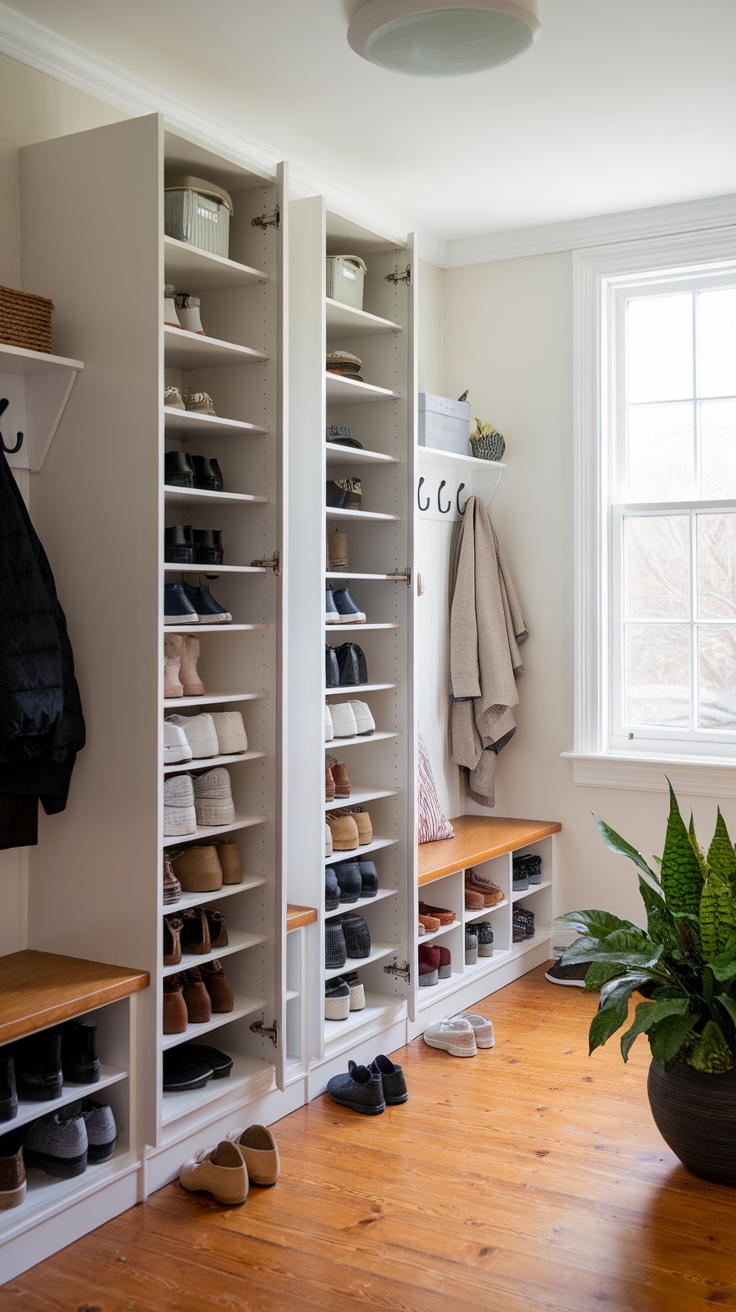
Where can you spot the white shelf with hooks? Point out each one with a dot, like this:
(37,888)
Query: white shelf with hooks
(36,387)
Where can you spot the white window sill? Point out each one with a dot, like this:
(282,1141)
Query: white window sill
(709,777)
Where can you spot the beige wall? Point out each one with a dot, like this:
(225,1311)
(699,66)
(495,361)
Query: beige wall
(508,338)
(33,107)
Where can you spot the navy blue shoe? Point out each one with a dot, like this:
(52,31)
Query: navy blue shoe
(178,609)
(332,614)
(205,606)
(368,878)
(348,612)
(347,874)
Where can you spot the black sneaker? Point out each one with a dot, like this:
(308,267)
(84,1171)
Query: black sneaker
(572,976)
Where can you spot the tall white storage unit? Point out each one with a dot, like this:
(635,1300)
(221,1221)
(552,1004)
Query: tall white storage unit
(93,237)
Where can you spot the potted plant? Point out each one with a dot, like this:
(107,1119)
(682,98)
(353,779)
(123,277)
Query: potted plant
(684,964)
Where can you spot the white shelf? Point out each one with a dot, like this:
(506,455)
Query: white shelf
(249,1075)
(333,512)
(377,953)
(194,270)
(353,690)
(201,899)
(47,1195)
(360,902)
(30,1111)
(357,628)
(374,846)
(185,350)
(211,571)
(378,1007)
(345,321)
(239,941)
(349,576)
(347,391)
(471,916)
(194,496)
(215,628)
(242,1006)
(378,736)
(518,894)
(214,831)
(353,455)
(212,698)
(438,933)
(208,762)
(188,423)
(359,797)
(37,387)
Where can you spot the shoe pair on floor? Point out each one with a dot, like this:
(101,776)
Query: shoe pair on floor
(185,604)
(196,737)
(61,1144)
(461,1035)
(340,607)
(369,1089)
(245,1157)
(192,800)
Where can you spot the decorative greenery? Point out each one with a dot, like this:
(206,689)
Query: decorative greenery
(685,961)
(482,430)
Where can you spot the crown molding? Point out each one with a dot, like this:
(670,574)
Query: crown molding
(28,42)
(577,234)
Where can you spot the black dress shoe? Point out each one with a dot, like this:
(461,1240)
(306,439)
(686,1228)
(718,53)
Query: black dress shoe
(79,1060)
(8,1094)
(182,1072)
(38,1066)
(208,546)
(207,474)
(220,1062)
(178,469)
(332,669)
(179,548)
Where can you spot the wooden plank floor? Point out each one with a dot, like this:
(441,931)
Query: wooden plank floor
(529,1177)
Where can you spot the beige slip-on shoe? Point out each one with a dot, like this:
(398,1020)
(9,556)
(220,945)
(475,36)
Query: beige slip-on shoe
(260,1154)
(219,1171)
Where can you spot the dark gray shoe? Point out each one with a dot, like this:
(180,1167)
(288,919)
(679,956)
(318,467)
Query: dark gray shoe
(361,1089)
(102,1132)
(392,1079)
(58,1144)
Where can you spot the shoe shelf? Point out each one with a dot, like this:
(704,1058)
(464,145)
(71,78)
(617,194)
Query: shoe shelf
(214,628)
(470,916)
(211,571)
(198,270)
(186,496)
(190,424)
(358,628)
(377,953)
(374,846)
(212,698)
(185,350)
(347,321)
(31,1111)
(251,1076)
(379,1007)
(199,899)
(242,1006)
(208,762)
(478,839)
(351,689)
(431,935)
(376,578)
(239,941)
(378,736)
(47,1195)
(528,892)
(38,989)
(359,796)
(347,391)
(213,831)
(365,515)
(360,902)
(339,455)
(37,385)
(296,918)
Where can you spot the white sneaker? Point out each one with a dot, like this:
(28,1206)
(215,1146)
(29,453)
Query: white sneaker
(363,719)
(187,309)
(200,733)
(329,729)
(343,720)
(230,730)
(180,817)
(176,747)
(213,797)
(454,1034)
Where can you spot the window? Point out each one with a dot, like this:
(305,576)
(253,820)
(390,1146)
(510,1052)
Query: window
(655,357)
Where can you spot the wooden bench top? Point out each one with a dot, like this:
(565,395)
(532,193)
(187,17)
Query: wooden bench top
(41,988)
(478,838)
(298,916)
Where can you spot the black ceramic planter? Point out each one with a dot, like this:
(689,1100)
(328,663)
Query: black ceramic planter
(695,1114)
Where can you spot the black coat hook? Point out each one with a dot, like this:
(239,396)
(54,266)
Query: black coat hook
(10,450)
(460,510)
(442,509)
(419,496)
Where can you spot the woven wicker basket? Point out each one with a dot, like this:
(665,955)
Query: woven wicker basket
(25,320)
(489,447)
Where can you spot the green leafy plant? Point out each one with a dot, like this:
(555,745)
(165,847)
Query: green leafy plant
(684,962)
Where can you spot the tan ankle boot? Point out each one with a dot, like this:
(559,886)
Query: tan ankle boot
(192,684)
(339,777)
(337,550)
(172,663)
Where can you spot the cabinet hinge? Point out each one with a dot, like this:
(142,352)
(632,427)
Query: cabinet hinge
(274,563)
(267,1031)
(397,277)
(395,969)
(264,221)
(401,576)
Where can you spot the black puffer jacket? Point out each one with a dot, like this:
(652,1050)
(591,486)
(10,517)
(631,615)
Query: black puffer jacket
(41,721)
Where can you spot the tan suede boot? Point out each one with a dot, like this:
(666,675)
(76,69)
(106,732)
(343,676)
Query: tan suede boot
(231,862)
(189,675)
(172,662)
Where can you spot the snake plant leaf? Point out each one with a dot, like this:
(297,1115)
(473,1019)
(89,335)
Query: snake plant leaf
(682,879)
(711,1053)
(667,1036)
(619,844)
(724,965)
(596,924)
(695,845)
(717,915)
(728,1005)
(650,1013)
(721,855)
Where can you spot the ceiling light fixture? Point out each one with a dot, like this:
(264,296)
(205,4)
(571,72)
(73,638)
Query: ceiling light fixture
(443,38)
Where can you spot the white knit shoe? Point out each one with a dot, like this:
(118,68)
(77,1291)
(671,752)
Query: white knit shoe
(230,730)
(200,733)
(329,729)
(176,747)
(364,722)
(213,797)
(454,1034)
(180,816)
(482,1027)
(344,724)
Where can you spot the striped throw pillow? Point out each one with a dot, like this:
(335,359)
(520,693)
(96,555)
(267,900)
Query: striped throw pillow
(433,823)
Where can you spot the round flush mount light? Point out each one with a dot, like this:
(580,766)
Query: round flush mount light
(443,38)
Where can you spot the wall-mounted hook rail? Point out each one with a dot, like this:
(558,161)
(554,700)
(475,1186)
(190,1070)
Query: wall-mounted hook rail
(10,450)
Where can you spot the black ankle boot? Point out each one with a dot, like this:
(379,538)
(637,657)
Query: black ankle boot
(79,1059)
(207,474)
(179,545)
(38,1066)
(178,469)
(208,546)
(8,1093)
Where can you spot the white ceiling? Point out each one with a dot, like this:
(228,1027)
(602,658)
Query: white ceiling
(620,104)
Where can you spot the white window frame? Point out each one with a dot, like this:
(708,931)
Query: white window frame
(595,763)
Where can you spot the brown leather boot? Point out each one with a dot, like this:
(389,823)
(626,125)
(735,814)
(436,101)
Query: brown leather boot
(218,986)
(175,1009)
(196,998)
(172,887)
(217,928)
(339,776)
(195,934)
(329,783)
(172,940)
